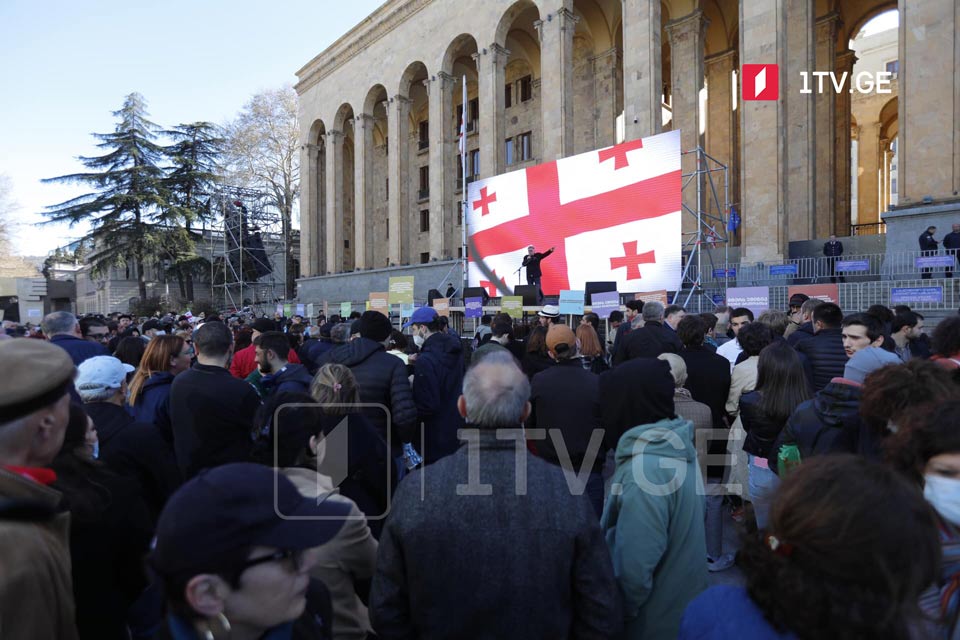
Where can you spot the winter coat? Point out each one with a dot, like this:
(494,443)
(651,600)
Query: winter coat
(649,341)
(36,586)
(497,563)
(312,352)
(293,378)
(78,348)
(803,332)
(566,401)
(136,450)
(702,418)
(761,431)
(826,355)
(708,380)
(833,248)
(726,612)
(437,384)
(382,379)
(594,364)
(153,403)
(657,541)
(827,423)
(534,363)
(927,242)
(245,361)
(743,380)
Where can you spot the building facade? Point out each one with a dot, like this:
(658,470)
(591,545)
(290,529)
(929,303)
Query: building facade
(380,110)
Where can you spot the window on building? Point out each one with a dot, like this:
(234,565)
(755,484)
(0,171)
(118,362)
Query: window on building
(424,257)
(386,189)
(424,137)
(424,183)
(388,230)
(509,150)
(346,244)
(526,88)
(893,67)
(474,112)
(459,212)
(508,96)
(460,252)
(424,221)
(475,162)
(525,145)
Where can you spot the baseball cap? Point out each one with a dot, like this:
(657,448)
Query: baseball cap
(866,361)
(44,373)
(100,373)
(213,519)
(549,311)
(560,339)
(797,299)
(423,315)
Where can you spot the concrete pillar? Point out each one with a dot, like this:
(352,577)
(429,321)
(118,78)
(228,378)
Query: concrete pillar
(800,193)
(362,210)
(605,97)
(334,240)
(825,105)
(884,174)
(868,184)
(310,210)
(398,173)
(929,82)
(721,125)
(442,158)
(761,123)
(556,72)
(642,73)
(491,63)
(686,37)
(843,62)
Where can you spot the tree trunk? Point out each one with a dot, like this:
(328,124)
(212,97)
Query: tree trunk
(141,280)
(181,283)
(189,281)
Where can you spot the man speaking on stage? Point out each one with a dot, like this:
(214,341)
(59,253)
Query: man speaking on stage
(532,262)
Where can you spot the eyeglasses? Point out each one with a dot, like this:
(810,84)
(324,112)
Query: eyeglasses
(99,337)
(294,555)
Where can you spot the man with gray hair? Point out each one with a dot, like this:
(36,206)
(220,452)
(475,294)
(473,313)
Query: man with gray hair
(479,513)
(650,340)
(63,329)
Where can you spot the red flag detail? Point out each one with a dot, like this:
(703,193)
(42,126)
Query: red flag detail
(485,201)
(491,287)
(632,260)
(619,153)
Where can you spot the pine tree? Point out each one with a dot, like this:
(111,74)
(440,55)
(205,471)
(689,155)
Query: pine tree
(128,193)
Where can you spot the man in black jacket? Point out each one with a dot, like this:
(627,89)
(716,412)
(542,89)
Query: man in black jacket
(833,249)
(532,262)
(951,242)
(211,411)
(928,247)
(632,316)
(279,376)
(708,374)
(825,349)
(650,340)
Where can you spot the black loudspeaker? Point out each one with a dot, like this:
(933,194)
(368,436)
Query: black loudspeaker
(529,293)
(476,292)
(432,295)
(597,287)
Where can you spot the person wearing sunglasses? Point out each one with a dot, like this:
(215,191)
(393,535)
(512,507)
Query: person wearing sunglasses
(234,550)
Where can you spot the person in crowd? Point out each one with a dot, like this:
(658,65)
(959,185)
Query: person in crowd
(441,545)
(63,329)
(446,328)
(825,350)
(484,331)
(710,331)
(501,338)
(651,339)
(235,547)
(672,315)
(723,332)
(832,251)
(633,319)
(591,353)
(451,290)
(397,345)
(277,374)
(795,306)
(345,564)
(951,243)
(565,404)
(859,331)
(437,381)
(165,358)
(549,314)
(653,518)
(95,330)
(536,358)
(805,328)
(946,343)
(152,328)
(836,562)
(614,320)
(905,329)
(688,408)
(382,379)
(739,318)
(211,411)
(127,446)
(314,349)
(592,319)
(110,532)
(245,361)
(928,247)
(130,351)
(830,421)
(781,387)
(124,321)
(777,320)
(243,338)
(35,583)
(339,334)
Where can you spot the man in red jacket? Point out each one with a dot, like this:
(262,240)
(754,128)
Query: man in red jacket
(245,360)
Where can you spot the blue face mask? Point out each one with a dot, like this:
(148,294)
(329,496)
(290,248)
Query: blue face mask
(96,449)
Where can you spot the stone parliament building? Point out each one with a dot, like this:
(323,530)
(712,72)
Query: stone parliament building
(380,111)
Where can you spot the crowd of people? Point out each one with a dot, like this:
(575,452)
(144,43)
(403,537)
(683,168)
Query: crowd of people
(249,477)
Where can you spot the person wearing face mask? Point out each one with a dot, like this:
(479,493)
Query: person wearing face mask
(437,381)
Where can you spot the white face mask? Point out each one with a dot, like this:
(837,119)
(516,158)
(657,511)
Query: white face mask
(418,340)
(944,494)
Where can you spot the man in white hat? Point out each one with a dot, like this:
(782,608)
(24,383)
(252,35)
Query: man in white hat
(550,314)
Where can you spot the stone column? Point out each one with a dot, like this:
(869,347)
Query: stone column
(843,62)
(605,97)
(929,82)
(799,129)
(642,72)
(334,244)
(686,37)
(762,155)
(825,105)
(310,211)
(868,201)
(721,124)
(398,173)
(884,175)
(442,157)
(491,63)
(362,148)
(556,71)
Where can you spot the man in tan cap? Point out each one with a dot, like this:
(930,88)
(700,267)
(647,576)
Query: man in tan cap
(36,592)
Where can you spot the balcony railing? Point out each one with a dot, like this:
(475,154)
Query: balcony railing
(869,229)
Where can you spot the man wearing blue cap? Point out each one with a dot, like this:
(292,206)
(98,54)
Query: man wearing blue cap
(437,382)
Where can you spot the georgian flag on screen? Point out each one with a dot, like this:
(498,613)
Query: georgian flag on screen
(612,214)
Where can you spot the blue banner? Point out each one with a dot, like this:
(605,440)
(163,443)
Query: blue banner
(571,301)
(905,295)
(718,273)
(474,308)
(851,265)
(784,269)
(933,262)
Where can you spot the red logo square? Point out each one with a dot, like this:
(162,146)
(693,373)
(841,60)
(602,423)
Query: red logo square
(760,82)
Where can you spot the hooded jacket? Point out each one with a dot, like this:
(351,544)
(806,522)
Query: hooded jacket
(437,383)
(654,527)
(827,423)
(293,378)
(382,379)
(153,403)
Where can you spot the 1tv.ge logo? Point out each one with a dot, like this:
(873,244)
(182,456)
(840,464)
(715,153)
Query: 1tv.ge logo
(762,82)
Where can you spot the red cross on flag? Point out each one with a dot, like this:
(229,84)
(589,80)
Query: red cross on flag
(612,214)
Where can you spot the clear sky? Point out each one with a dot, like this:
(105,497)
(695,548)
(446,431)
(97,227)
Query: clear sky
(66,65)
